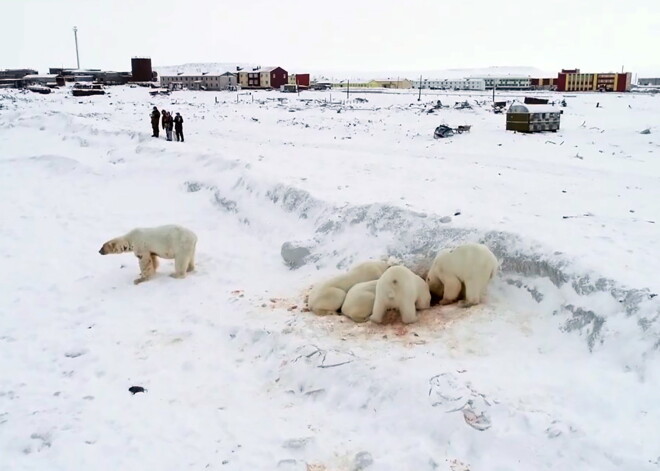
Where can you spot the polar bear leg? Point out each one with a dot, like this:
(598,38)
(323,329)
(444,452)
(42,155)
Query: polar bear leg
(181,263)
(408,313)
(452,289)
(423,300)
(378,311)
(146,268)
(475,288)
(154,261)
(191,263)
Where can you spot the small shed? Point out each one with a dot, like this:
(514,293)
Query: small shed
(532,118)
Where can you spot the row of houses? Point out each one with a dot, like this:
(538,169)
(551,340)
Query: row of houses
(141,71)
(568,80)
(471,83)
(256,78)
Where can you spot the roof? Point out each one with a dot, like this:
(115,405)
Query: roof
(530,108)
(43,76)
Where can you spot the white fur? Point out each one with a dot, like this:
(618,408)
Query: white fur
(328,297)
(399,288)
(359,302)
(473,265)
(149,243)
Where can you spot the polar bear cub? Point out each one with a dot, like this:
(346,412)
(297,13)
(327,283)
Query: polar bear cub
(359,302)
(149,243)
(399,288)
(328,297)
(472,265)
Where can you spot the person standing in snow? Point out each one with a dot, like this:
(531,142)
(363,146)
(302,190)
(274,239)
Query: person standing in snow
(162,121)
(155,118)
(178,127)
(169,125)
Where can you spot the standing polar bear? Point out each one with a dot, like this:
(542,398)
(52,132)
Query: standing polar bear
(328,297)
(472,265)
(149,243)
(399,288)
(359,302)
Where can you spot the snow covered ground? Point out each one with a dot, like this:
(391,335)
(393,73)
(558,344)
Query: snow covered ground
(558,370)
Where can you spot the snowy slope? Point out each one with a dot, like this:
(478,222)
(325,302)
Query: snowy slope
(558,370)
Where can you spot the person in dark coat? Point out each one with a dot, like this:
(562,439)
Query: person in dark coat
(168,124)
(155,118)
(178,127)
(163,114)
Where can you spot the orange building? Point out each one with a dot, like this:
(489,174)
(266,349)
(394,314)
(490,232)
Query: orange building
(575,81)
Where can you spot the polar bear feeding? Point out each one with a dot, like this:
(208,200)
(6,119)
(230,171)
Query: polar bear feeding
(359,302)
(399,288)
(149,243)
(327,297)
(472,265)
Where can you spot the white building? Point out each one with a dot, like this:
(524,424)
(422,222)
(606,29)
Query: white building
(451,84)
(226,81)
(507,82)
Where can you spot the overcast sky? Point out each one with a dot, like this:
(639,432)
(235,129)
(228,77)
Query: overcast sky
(594,35)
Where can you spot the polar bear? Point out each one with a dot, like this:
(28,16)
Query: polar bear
(149,243)
(327,297)
(399,288)
(472,265)
(359,302)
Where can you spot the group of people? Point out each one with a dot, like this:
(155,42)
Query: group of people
(168,122)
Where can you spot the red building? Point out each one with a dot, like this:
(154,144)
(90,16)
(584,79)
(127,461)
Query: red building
(302,80)
(263,77)
(574,81)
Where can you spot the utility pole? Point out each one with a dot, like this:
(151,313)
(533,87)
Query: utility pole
(75,35)
(419,97)
(348,88)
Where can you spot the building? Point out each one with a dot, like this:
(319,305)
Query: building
(225,81)
(263,77)
(532,118)
(48,80)
(273,77)
(301,80)
(16,73)
(544,83)
(12,83)
(141,70)
(654,82)
(507,83)
(355,84)
(572,80)
(113,78)
(390,83)
(451,84)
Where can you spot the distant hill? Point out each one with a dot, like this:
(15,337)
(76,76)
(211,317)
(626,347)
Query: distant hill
(336,75)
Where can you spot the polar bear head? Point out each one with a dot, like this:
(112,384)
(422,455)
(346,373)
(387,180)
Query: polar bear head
(118,245)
